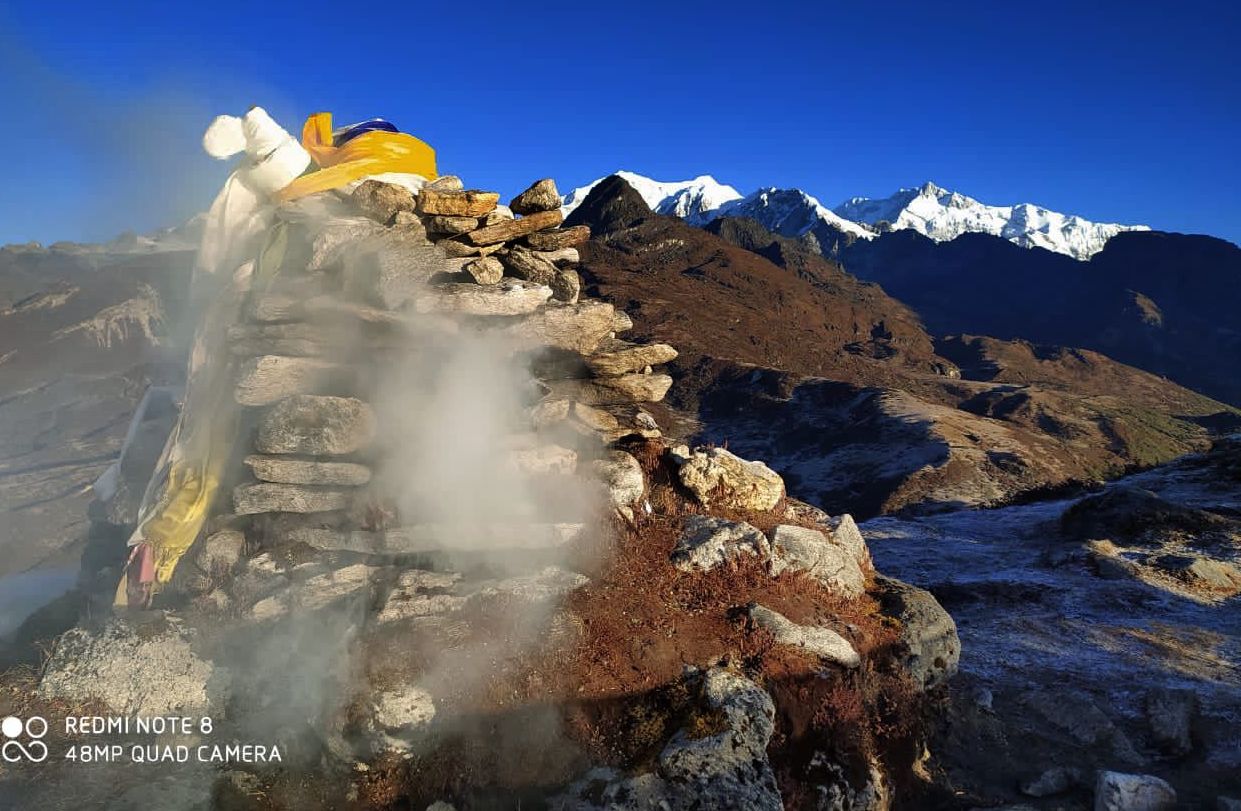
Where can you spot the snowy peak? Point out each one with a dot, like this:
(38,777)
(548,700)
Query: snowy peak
(692,200)
(790,212)
(929,209)
(943,215)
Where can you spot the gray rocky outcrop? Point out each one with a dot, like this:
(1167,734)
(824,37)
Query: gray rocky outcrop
(931,648)
(822,642)
(151,670)
(795,548)
(708,542)
(727,769)
(1116,791)
(717,477)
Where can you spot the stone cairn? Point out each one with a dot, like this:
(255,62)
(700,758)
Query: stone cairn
(391,266)
(347,287)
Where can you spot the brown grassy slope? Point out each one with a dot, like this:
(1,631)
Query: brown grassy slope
(743,299)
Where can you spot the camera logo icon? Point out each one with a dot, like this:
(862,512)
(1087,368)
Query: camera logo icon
(22,739)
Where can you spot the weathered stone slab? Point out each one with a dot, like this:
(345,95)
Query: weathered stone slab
(485,270)
(563,257)
(266,379)
(468,203)
(623,476)
(622,322)
(524,263)
(631,388)
(512,229)
(134,671)
(566,286)
(270,497)
(381,201)
(338,236)
(624,358)
(445,183)
(443,224)
(717,477)
(541,196)
(554,240)
(294,340)
(509,297)
(577,327)
(707,542)
(798,549)
(543,460)
(316,426)
(421,593)
(822,642)
(501,214)
(220,551)
(455,248)
(391,271)
(426,538)
(307,471)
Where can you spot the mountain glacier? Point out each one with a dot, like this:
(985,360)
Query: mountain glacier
(930,210)
(943,215)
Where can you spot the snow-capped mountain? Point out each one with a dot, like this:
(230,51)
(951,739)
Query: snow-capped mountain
(790,212)
(930,210)
(692,200)
(943,215)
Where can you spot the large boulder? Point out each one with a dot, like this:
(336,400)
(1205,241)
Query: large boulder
(149,670)
(930,646)
(728,769)
(400,717)
(541,196)
(718,478)
(625,481)
(799,549)
(1115,791)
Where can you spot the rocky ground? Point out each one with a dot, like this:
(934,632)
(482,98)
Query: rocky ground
(1098,634)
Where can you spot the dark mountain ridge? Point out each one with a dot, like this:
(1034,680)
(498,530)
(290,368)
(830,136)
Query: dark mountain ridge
(1159,301)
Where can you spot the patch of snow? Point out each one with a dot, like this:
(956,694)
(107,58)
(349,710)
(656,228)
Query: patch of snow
(943,215)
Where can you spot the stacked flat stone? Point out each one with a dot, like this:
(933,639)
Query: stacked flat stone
(383,263)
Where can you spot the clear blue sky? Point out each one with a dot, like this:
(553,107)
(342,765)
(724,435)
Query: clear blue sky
(1119,111)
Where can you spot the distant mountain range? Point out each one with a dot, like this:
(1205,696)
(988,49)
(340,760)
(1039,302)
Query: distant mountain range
(928,209)
(1162,302)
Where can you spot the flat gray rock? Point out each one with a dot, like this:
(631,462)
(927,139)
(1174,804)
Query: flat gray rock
(822,642)
(708,542)
(316,426)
